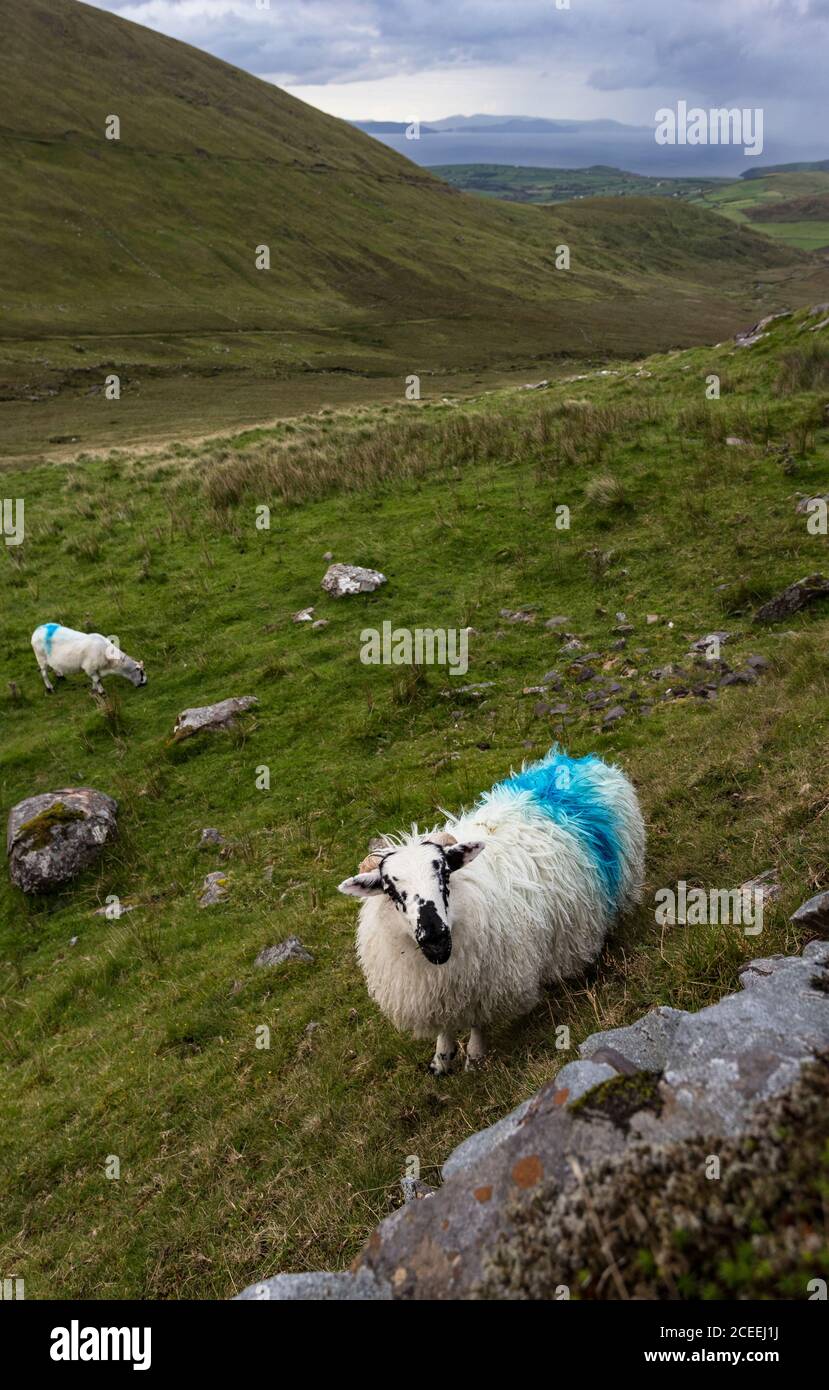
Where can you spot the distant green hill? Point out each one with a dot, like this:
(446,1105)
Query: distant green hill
(138,255)
(807,166)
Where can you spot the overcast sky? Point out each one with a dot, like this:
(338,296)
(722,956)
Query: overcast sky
(424,59)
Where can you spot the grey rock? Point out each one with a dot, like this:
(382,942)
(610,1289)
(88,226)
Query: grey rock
(519,615)
(214,889)
(646,1042)
(614,714)
(54,836)
(305,615)
(289,949)
(806,504)
(767,884)
(703,643)
(362,1287)
(341,580)
(577,1078)
(813,914)
(414,1190)
(210,837)
(557,621)
(219,716)
(792,599)
(477,1146)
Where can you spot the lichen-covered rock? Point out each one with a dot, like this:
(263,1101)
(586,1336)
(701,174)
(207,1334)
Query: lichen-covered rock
(718,1066)
(752,1226)
(340,580)
(54,836)
(670,1080)
(218,716)
(214,889)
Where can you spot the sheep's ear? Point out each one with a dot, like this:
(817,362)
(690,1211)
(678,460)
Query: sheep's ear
(458,855)
(362,885)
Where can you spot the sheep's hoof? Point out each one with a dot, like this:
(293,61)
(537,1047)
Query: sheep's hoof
(441,1063)
(474,1063)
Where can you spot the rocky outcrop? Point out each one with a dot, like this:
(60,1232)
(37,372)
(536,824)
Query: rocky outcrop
(53,837)
(667,1081)
(792,599)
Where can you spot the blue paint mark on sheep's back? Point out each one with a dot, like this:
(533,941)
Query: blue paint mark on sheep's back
(570,792)
(49,630)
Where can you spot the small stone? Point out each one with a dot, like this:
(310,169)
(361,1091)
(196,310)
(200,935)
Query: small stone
(556,621)
(305,615)
(341,580)
(519,615)
(289,949)
(612,715)
(214,889)
(209,838)
(319,625)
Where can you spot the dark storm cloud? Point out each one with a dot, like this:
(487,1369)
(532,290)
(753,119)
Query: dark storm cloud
(750,50)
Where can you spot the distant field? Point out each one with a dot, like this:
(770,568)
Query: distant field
(527,185)
(792,207)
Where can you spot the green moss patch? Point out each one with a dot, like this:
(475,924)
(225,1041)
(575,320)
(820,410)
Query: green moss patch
(37,832)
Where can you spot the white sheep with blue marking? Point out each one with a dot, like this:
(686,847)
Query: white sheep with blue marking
(465,925)
(68,652)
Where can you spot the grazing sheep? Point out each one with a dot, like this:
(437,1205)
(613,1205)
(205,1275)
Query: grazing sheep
(450,941)
(68,652)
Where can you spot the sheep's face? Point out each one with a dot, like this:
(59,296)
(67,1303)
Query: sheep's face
(134,671)
(416,880)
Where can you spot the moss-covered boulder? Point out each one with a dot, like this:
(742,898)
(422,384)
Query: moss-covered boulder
(53,837)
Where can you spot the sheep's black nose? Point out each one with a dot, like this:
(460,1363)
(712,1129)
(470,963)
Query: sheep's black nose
(433,936)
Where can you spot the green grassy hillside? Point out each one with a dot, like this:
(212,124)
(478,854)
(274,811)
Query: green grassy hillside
(137,255)
(790,207)
(138,1037)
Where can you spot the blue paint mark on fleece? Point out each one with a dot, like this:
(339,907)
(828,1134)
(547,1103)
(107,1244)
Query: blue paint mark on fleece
(566,790)
(49,630)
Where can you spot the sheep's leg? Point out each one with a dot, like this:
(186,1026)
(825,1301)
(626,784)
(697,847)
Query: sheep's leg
(43,665)
(97,688)
(475,1049)
(446,1049)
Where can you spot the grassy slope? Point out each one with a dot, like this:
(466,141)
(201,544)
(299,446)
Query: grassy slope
(137,256)
(140,1039)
